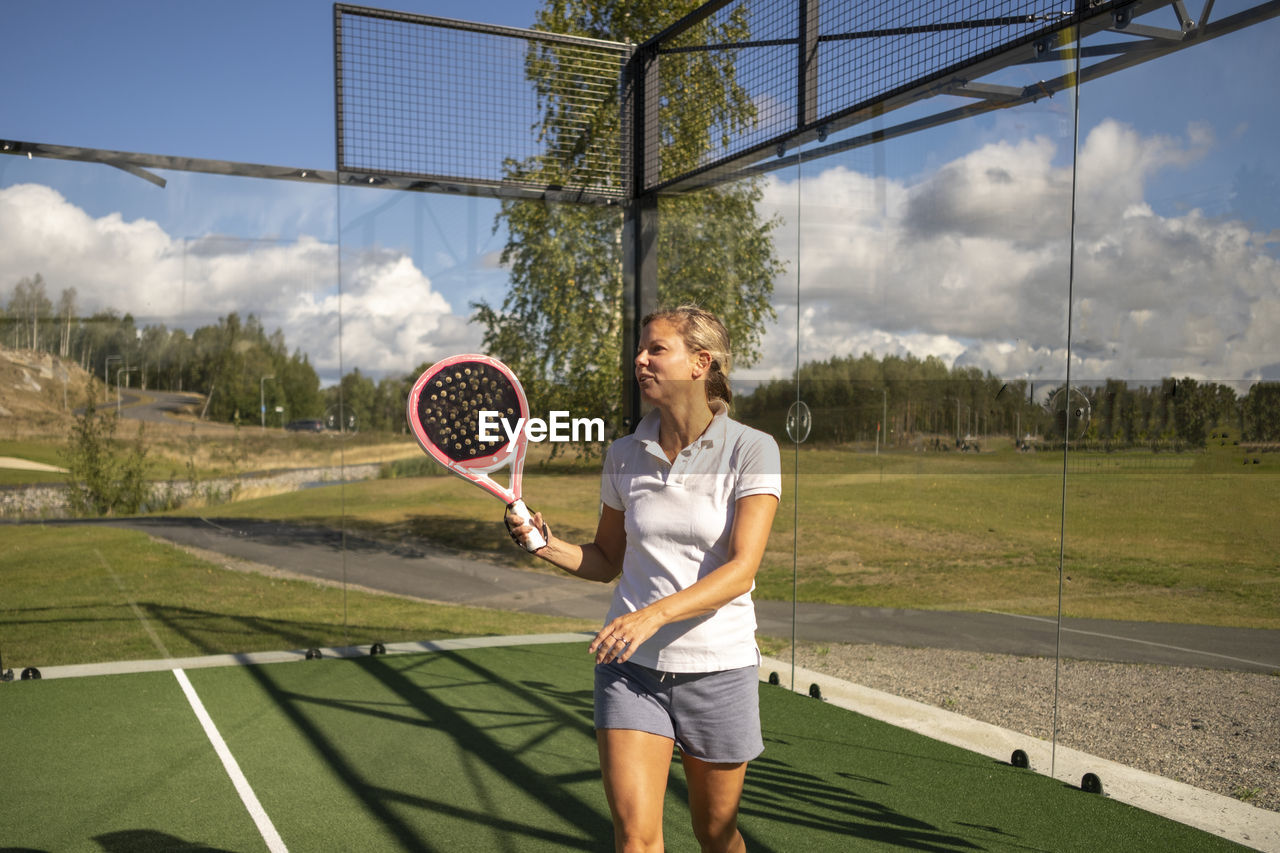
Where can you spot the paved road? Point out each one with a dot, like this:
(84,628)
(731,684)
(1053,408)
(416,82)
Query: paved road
(422,571)
(155,406)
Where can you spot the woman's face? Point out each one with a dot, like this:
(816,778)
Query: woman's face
(664,365)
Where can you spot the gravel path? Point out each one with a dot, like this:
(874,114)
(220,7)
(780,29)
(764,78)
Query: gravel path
(1214,729)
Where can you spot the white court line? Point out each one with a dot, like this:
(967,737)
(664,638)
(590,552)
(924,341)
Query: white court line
(137,611)
(1135,640)
(274,843)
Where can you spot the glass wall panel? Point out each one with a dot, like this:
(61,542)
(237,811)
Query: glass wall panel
(1169,641)
(730,249)
(430,276)
(167,341)
(931,283)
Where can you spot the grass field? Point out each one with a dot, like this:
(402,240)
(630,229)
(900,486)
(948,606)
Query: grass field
(986,533)
(1148,538)
(177,452)
(933,531)
(88,593)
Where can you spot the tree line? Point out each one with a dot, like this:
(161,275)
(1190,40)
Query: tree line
(234,362)
(909,400)
(896,400)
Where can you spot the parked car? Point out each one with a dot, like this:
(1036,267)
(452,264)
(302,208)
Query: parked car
(305,425)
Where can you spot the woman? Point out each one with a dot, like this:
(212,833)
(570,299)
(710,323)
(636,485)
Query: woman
(687,503)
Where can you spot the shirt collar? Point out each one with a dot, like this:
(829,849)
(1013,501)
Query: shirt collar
(647,429)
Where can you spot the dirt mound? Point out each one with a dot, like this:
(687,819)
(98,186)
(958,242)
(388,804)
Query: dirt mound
(39,392)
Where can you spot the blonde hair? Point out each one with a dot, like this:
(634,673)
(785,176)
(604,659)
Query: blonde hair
(702,330)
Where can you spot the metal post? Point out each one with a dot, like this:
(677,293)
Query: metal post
(640,225)
(120,370)
(262,400)
(884,421)
(807,64)
(105,381)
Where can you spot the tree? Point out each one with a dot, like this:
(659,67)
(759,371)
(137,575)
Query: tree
(358,395)
(29,305)
(66,310)
(560,324)
(102,479)
(299,386)
(1262,412)
(153,355)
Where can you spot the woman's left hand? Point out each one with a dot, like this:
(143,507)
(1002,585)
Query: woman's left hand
(621,637)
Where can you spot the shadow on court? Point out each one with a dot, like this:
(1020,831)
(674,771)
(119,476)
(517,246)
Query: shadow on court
(493,732)
(490,749)
(147,840)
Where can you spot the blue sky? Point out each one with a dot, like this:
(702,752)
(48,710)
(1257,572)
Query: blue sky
(1178,219)
(243,80)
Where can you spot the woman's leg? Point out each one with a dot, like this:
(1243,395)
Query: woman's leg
(714,793)
(635,766)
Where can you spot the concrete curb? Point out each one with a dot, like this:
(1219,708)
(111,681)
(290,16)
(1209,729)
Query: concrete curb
(1214,813)
(253,658)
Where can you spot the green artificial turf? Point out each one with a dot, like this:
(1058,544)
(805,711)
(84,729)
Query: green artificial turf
(492,749)
(113,764)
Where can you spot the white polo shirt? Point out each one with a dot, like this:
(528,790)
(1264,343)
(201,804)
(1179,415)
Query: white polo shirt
(678,519)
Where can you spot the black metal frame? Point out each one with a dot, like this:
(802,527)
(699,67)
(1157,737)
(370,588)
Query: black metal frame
(1087,18)
(1144,44)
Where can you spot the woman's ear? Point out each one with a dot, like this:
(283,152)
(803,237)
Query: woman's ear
(701,364)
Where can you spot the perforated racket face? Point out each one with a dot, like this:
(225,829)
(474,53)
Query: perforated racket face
(444,411)
(450,404)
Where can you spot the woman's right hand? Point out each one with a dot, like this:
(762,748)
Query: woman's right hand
(521,528)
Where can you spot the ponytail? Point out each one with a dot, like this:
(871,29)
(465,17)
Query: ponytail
(718,384)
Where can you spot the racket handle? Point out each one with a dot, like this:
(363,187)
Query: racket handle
(534,539)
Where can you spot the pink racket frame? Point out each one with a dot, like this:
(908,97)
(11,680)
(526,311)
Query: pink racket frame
(476,470)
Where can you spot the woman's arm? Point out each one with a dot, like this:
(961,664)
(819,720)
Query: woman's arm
(753,517)
(599,560)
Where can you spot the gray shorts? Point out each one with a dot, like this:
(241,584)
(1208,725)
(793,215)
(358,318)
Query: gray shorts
(711,716)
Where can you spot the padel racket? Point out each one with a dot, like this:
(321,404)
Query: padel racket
(444,411)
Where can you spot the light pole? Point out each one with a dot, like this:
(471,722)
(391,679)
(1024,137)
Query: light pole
(883,418)
(105,381)
(262,400)
(120,370)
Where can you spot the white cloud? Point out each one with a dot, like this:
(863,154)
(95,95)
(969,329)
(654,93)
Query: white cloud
(971,263)
(392,318)
(968,262)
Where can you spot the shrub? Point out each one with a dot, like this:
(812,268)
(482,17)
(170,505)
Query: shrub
(104,479)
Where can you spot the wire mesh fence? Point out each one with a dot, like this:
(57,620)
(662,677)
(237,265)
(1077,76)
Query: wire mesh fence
(752,74)
(530,113)
(480,106)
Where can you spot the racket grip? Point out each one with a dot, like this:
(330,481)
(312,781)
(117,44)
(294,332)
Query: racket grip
(534,539)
